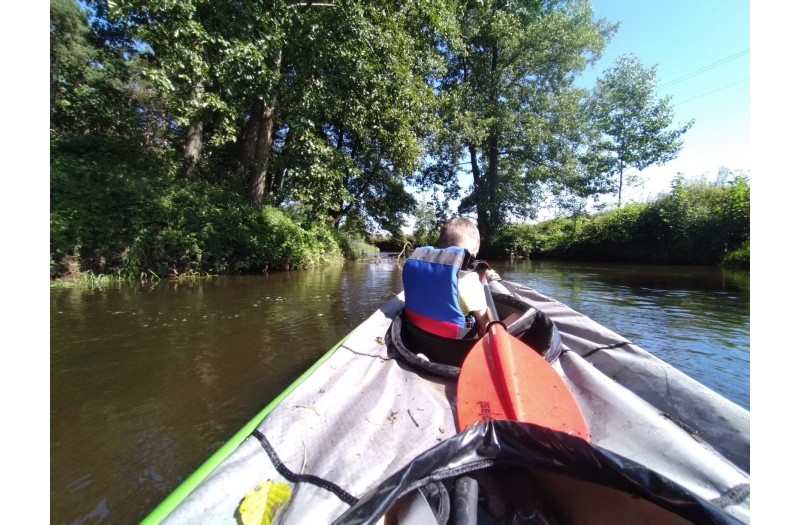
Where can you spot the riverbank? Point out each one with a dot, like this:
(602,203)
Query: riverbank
(129,219)
(695,223)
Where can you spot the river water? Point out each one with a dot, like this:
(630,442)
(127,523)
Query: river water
(146,382)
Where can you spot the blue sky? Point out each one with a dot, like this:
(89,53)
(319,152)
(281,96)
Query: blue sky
(702,51)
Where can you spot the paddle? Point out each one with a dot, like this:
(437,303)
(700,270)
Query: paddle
(503,378)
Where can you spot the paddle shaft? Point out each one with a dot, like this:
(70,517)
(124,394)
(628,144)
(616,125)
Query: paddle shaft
(490,302)
(503,358)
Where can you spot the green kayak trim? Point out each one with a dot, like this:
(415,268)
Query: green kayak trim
(192,482)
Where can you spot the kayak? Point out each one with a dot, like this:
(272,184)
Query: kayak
(369,434)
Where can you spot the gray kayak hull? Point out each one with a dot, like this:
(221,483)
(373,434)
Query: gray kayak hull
(362,415)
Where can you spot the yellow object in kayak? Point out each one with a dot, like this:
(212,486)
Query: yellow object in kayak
(261,505)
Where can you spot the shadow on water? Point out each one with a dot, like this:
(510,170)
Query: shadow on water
(147,382)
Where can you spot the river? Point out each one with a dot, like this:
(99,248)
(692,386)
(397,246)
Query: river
(148,381)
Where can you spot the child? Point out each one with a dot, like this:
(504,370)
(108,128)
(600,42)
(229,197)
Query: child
(445,302)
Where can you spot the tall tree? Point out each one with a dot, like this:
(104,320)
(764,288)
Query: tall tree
(631,124)
(327,103)
(355,109)
(427,224)
(511,111)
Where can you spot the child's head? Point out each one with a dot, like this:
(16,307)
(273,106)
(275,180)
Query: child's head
(462,233)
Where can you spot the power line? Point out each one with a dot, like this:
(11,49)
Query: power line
(704,69)
(710,92)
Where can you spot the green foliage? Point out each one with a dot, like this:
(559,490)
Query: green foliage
(289,245)
(323,106)
(92,77)
(115,213)
(508,103)
(427,226)
(355,247)
(512,241)
(352,135)
(206,229)
(332,110)
(91,281)
(697,223)
(101,190)
(430,238)
(738,258)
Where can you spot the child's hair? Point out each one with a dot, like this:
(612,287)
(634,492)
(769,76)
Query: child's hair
(460,232)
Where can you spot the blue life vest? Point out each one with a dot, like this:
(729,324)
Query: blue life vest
(430,280)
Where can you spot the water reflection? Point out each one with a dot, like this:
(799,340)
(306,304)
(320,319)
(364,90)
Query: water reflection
(147,382)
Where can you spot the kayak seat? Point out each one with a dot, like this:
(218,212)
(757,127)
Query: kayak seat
(438,349)
(443,356)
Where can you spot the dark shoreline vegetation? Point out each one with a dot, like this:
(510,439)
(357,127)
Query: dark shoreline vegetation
(198,139)
(115,214)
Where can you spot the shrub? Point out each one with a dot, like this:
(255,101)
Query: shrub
(355,247)
(739,258)
(515,240)
(693,224)
(288,245)
(133,216)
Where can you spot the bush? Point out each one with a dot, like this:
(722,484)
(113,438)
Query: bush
(425,238)
(216,232)
(515,240)
(694,224)
(288,245)
(132,216)
(355,247)
(739,258)
(100,194)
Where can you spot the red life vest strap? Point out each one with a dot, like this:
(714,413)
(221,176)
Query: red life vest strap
(440,328)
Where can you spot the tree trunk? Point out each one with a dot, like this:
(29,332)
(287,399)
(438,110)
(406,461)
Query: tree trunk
(53,87)
(248,150)
(491,180)
(259,162)
(191,149)
(480,192)
(257,146)
(194,138)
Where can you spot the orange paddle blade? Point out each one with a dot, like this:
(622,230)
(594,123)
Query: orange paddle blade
(503,378)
